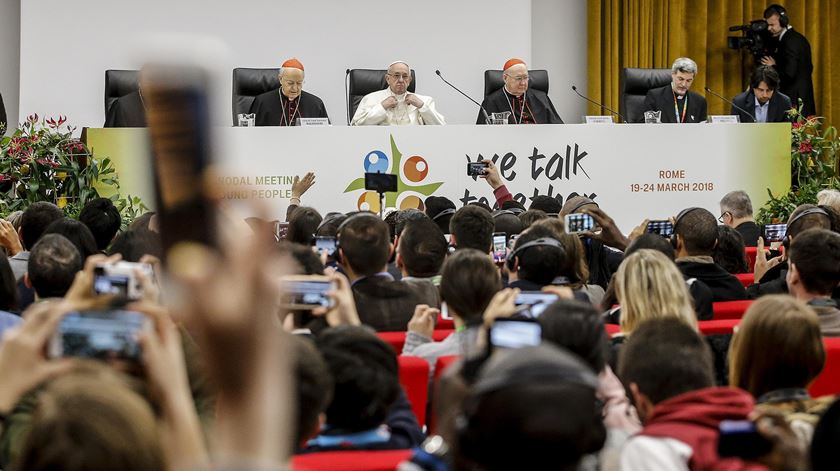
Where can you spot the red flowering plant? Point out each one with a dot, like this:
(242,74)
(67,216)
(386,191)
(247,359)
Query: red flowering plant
(42,161)
(814,155)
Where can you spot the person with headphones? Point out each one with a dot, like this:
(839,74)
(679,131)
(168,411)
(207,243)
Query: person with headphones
(792,59)
(814,276)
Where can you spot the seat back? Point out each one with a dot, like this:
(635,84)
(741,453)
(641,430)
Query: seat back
(634,85)
(746,279)
(119,83)
(751,253)
(444,323)
(364,81)
(442,364)
(717,327)
(248,84)
(414,378)
(397,339)
(730,309)
(537,80)
(828,382)
(384,460)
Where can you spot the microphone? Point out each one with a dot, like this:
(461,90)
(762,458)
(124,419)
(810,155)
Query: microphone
(347,95)
(483,111)
(603,106)
(709,90)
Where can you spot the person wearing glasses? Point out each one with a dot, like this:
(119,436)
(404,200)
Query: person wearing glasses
(523,105)
(283,107)
(395,106)
(675,102)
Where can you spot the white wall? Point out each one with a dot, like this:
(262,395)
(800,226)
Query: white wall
(62,71)
(10,56)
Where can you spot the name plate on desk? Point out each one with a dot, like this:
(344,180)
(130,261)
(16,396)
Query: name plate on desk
(313,121)
(726,118)
(598,120)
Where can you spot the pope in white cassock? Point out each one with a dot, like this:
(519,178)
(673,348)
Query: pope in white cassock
(394,105)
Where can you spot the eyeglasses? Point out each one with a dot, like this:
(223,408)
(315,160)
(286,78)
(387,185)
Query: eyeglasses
(399,77)
(723,216)
(521,78)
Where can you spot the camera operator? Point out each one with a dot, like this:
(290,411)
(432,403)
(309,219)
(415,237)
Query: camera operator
(791,59)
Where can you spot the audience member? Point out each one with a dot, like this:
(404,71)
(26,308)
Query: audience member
(830,198)
(314,389)
(531,216)
(514,206)
(75,232)
(603,248)
(736,211)
(33,223)
(8,287)
(814,273)
(103,219)
(441,210)
(547,204)
(421,250)
(729,252)
(775,355)
(695,238)
(506,221)
(471,227)
(303,222)
(536,260)
(52,267)
(134,244)
(576,271)
(147,221)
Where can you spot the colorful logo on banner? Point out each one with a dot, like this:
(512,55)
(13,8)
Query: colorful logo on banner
(410,173)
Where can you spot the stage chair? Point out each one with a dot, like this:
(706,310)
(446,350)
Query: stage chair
(828,382)
(250,83)
(364,81)
(634,85)
(537,80)
(384,460)
(730,309)
(119,83)
(414,378)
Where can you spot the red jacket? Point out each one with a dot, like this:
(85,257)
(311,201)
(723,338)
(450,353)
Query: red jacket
(694,417)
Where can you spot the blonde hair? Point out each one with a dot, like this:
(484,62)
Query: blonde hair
(778,345)
(649,286)
(829,198)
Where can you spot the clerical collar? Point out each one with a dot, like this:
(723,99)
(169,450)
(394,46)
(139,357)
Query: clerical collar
(507,92)
(285,98)
(398,97)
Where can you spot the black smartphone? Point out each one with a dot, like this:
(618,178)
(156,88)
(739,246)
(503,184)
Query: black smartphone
(774,232)
(178,116)
(104,335)
(477,169)
(380,182)
(515,333)
(325,244)
(499,246)
(740,439)
(662,227)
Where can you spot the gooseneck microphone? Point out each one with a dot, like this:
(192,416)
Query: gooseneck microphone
(709,90)
(347,95)
(483,111)
(603,106)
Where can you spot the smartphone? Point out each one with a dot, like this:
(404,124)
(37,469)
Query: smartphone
(477,169)
(579,222)
(774,232)
(306,292)
(178,116)
(532,303)
(739,438)
(444,312)
(515,333)
(380,182)
(448,238)
(325,244)
(499,246)
(104,335)
(662,227)
(281,230)
(120,279)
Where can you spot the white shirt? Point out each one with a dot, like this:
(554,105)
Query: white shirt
(371,112)
(643,453)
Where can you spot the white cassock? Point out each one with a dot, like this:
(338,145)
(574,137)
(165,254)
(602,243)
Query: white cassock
(371,112)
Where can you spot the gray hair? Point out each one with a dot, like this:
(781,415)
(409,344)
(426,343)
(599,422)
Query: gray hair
(738,203)
(283,71)
(829,198)
(399,62)
(684,65)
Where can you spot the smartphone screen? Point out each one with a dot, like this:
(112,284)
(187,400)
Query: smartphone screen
(509,333)
(306,292)
(281,229)
(476,169)
(499,246)
(325,244)
(533,303)
(99,334)
(579,222)
(775,232)
(661,227)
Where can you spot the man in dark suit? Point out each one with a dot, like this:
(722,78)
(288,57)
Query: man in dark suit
(675,102)
(736,211)
(525,106)
(364,247)
(283,107)
(762,103)
(791,59)
(128,111)
(4,125)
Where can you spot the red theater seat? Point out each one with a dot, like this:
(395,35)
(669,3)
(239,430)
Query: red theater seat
(612,329)
(746,279)
(828,382)
(397,339)
(440,367)
(414,378)
(750,253)
(443,324)
(730,309)
(717,327)
(386,460)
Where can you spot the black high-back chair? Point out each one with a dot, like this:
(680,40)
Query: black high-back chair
(250,83)
(634,85)
(119,83)
(364,81)
(537,80)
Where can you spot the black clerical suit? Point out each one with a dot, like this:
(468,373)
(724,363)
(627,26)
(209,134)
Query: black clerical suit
(3,123)
(127,112)
(750,232)
(538,105)
(662,99)
(793,63)
(269,107)
(779,104)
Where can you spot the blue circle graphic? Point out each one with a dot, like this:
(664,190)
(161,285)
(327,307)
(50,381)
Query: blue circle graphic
(377,161)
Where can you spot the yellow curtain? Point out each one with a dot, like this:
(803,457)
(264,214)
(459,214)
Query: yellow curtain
(652,33)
